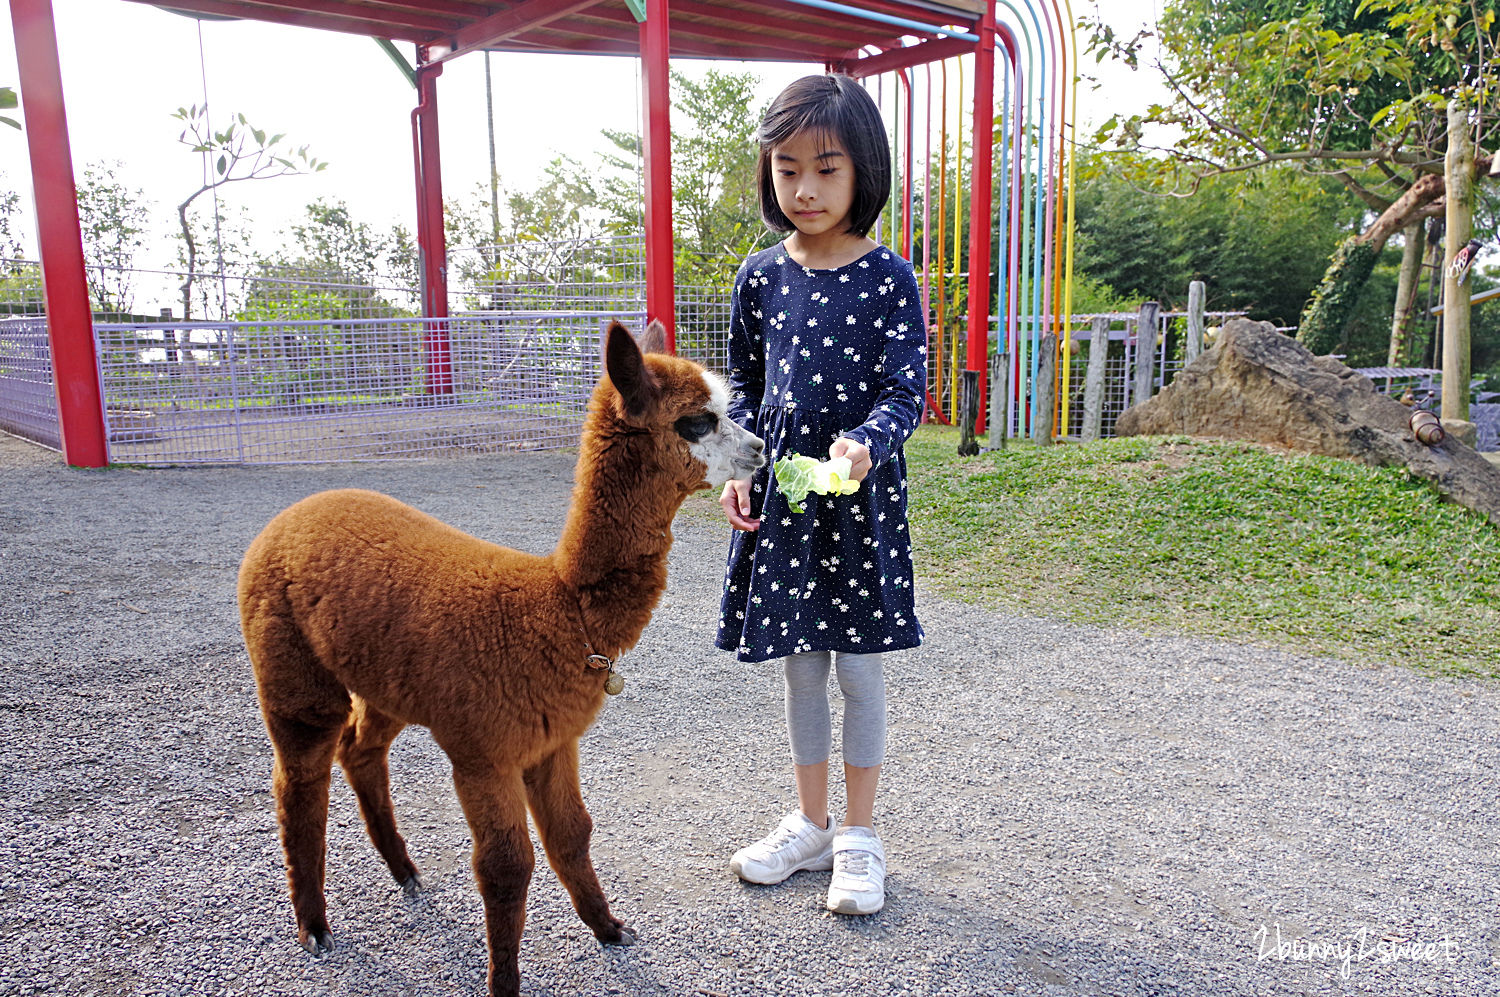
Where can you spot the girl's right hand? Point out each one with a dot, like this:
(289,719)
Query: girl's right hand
(736,503)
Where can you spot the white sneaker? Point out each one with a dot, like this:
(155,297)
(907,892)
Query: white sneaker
(796,844)
(858,885)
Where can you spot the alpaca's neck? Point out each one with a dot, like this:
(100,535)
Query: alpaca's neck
(613,549)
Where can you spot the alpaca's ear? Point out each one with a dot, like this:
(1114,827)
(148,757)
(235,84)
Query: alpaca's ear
(627,371)
(655,339)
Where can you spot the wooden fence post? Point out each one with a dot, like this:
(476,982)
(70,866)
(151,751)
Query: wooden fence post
(1093,384)
(1194,320)
(1145,350)
(1458,168)
(999,408)
(968,414)
(1045,391)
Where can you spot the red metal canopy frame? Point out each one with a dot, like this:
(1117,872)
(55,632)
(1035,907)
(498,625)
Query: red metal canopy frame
(858,37)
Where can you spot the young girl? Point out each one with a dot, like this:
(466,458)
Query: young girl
(828,355)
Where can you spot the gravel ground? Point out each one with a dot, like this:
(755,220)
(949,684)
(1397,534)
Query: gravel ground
(1068,810)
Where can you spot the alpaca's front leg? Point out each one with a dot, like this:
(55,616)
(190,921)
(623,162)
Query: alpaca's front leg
(494,802)
(564,826)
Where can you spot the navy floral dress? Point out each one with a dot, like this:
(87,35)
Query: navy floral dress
(815,355)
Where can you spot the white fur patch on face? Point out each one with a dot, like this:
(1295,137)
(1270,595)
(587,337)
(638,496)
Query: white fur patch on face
(729,452)
(718,392)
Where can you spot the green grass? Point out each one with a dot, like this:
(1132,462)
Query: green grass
(1172,535)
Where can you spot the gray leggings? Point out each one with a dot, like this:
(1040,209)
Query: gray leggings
(809,725)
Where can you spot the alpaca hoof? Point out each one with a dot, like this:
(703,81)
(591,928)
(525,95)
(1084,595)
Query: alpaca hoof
(412,885)
(319,943)
(623,936)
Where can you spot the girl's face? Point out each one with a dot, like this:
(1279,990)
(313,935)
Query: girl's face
(813,177)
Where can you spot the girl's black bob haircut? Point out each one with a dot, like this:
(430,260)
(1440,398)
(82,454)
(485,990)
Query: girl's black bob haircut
(830,105)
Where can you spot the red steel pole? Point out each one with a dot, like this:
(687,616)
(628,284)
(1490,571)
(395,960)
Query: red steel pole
(70,323)
(979,204)
(655,53)
(431,238)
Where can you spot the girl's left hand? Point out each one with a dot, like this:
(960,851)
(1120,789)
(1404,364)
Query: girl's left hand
(858,454)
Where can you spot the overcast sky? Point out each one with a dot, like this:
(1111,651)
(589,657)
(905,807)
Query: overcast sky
(127,66)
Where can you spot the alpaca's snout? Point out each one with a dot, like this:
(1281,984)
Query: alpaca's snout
(730,453)
(751,456)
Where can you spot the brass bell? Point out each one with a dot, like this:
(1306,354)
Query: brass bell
(615,684)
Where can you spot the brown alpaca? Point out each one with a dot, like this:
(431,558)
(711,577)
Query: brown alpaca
(363,615)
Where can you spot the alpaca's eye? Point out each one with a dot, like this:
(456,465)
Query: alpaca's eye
(694,427)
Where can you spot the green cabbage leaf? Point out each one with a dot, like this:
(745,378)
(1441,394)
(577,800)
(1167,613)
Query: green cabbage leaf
(796,476)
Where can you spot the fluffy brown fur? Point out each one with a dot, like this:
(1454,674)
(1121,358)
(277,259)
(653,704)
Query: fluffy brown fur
(363,615)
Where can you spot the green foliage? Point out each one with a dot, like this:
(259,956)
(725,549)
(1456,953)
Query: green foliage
(1322,327)
(9,102)
(241,151)
(716,213)
(1225,539)
(10,223)
(113,220)
(1326,83)
(230,231)
(1094,297)
(1259,241)
(716,219)
(237,153)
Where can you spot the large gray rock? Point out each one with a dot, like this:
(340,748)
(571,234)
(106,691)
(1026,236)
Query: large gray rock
(1257,384)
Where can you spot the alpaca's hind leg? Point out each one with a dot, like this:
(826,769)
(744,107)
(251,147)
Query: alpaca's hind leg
(364,755)
(299,780)
(565,826)
(494,803)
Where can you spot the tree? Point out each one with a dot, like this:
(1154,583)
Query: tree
(715,213)
(1351,90)
(10,216)
(240,152)
(716,208)
(230,229)
(1260,241)
(555,232)
(20,280)
(113,220)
